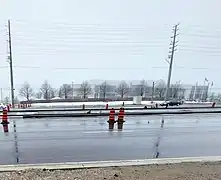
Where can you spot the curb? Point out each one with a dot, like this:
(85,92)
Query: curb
(116,108)
(102,164)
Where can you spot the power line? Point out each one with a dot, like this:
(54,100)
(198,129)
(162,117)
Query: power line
(106,27)
(200,47)
(91,38)
(200,50)
(114,28)
(84,30)
(67,23)
(110,31)
(200,35)
(112,68)
(81,43)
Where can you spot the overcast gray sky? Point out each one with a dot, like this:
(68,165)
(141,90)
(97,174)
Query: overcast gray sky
(131,35)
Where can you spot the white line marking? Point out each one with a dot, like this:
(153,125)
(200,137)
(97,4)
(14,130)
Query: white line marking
(114,131)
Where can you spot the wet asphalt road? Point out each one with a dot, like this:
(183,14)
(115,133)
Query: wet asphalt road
(88,139)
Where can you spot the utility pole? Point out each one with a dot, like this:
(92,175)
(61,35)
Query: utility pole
(174,44)
(72,86)
(194,92)
(153,89)
(204,92)
(10,63)
(1,95)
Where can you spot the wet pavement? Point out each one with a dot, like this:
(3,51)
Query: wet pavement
(87,139)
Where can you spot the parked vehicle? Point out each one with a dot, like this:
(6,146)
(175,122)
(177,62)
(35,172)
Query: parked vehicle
(171,103)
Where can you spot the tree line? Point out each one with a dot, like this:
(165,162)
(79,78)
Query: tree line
(66,91)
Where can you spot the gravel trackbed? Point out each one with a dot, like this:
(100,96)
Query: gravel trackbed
(183,171)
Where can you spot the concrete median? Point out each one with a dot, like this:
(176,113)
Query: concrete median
(127,113)
(116,108)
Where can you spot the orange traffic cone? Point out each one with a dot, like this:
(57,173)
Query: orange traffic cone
(111,120)
(120,120)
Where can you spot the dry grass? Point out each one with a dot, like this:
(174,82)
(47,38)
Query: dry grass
(184,171)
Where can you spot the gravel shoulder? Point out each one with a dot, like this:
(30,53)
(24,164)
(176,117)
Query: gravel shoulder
(183,171)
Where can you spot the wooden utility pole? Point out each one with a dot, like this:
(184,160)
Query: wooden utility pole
(10,64)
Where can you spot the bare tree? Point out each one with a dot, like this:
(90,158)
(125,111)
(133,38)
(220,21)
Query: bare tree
(176,90)
(161,88)
(60,93)
(85,89)
(143,87)
(212,97)
(38,95)
(6,100)
(103,89)
(46,90)
(26,91)
(66,90)
(218,97)
(122,89)
(16,100)
(53,93)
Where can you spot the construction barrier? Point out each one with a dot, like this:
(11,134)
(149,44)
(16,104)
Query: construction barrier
(111,120)
(120,120)
(5,117)
(22,106)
